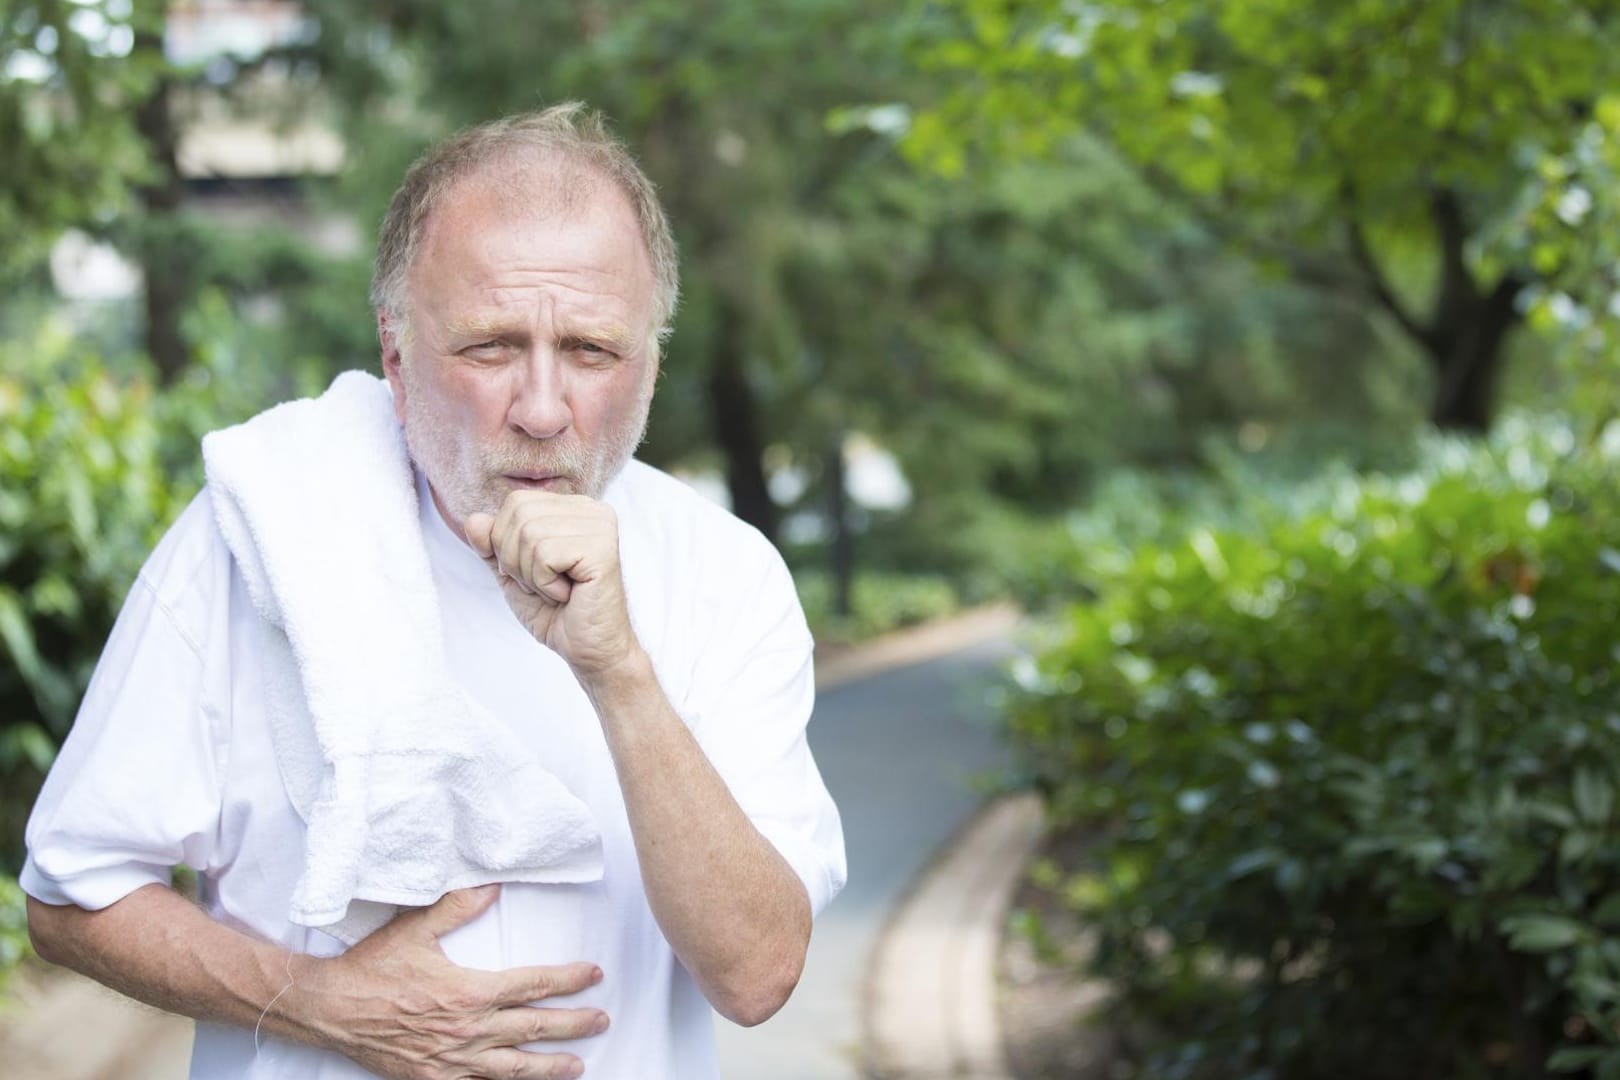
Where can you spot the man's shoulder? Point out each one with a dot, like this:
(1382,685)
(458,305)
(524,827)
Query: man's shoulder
(694,546)
(650,500)
(711,566)
(190,558)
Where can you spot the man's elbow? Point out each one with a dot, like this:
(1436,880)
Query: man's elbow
(45,929)
(757,999)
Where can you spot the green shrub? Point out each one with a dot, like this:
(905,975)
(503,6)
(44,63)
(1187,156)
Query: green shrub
(1352,754)
(879,602)
(94,464)
(83,495)
(14,943)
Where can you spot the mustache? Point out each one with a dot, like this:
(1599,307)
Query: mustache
(562,459)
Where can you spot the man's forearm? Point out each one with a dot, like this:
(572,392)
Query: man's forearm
(393,1004)
(732,908)
(157,947)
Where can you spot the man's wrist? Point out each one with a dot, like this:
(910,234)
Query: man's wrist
(623,683)
(301,1010)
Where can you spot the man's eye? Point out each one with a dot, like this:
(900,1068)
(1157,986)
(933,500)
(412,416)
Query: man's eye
(595,351)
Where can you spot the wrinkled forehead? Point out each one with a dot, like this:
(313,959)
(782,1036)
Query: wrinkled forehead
(515,213)
(532,182)
(528,183)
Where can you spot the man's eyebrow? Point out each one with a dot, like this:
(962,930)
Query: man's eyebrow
(614,334)
(471,326)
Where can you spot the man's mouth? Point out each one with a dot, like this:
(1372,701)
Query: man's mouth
(536,481)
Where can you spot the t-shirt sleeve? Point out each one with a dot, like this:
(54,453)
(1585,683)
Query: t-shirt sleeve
(136,788)
(752,698)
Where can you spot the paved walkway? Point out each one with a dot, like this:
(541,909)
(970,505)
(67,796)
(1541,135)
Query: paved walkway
(903,738)
(905,753)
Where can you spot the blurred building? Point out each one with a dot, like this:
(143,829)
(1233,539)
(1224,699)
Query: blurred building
(257,132)
(250,135)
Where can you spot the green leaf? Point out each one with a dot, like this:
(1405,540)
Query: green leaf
(1541,932)
(1576,845)
(1425,851)
(17,635)
(1608,912)
(1550,812)
(1596,990)
(1594,796)
(26,742)
(1568,1059)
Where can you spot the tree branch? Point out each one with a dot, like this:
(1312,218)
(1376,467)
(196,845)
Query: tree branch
(1458,291)
(1307,267)
(1373,279)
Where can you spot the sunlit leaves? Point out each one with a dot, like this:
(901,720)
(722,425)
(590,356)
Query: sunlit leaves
(1366,753)
(1320,133)
(70,82)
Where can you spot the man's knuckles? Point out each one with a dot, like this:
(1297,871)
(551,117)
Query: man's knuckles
(558,980)
(452,1035)
(551,1025)
(576,514)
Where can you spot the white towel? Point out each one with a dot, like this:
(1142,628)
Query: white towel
(408,787)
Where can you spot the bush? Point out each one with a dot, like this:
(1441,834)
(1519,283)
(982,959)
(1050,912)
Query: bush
(95,462)
(14,944)
(1352,754)
(880,603)
(83,495)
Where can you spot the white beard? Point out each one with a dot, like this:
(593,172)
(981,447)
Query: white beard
(469,477)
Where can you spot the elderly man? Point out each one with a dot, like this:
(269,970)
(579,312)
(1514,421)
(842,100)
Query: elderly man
(637,650)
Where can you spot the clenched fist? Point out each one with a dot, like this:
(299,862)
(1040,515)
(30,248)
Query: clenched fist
(557,558)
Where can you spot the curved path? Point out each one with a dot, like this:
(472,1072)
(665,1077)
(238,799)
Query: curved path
(907,754)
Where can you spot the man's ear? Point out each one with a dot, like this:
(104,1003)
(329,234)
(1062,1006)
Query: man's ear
(389,331)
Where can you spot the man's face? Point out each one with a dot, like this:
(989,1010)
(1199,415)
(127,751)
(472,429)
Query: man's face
(529,359)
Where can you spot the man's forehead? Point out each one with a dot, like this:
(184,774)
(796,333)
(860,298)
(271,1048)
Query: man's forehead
(476,219)
(530,185)
(494,203)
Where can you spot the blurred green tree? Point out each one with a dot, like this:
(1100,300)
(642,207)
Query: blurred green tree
(70,84)
(1003,336)
(86,112)
(1006,335)
(93,111)
(727,111)
(1382,148)
(1050,321)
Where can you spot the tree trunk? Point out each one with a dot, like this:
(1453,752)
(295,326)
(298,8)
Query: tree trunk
(1467,355)
(842,551)
(167,285)
(1469,327)
(1465,335)
(733,413)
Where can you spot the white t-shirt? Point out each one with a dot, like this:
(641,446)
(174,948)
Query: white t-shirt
(170,761)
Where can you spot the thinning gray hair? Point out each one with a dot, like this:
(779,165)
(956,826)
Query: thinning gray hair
(569,135)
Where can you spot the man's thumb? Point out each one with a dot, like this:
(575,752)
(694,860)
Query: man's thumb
(479,528)
(458,908)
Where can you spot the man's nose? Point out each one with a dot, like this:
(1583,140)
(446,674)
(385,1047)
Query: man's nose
(540,406)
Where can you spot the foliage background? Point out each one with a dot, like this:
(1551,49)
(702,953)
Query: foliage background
(1349,748)
(1117,285)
